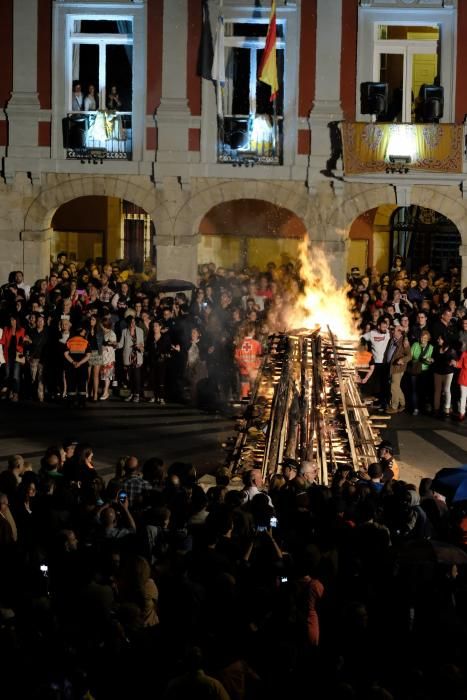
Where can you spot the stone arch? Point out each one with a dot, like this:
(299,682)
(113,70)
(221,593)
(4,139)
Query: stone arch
(190,215)
(61,189)
(343,214)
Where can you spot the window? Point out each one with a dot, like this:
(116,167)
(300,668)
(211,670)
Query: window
(252,126)
(409,45)
(138,236)
(406,58)
(100,98)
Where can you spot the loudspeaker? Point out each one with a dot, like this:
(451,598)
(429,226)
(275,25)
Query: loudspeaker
(373,98)
(433,102)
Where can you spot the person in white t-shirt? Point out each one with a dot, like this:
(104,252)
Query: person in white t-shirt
(379,339)
(19,279)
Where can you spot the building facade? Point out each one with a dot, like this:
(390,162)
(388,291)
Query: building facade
(156,134)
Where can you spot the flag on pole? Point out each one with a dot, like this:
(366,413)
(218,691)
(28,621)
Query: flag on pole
(218,64)
(206,53)
(268,67)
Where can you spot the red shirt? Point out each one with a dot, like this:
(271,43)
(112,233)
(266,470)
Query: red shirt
(5,340)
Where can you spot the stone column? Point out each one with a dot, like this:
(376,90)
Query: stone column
(177,257)
(463,254)
(326,105)
(36,254)
(173,115)
(23,107)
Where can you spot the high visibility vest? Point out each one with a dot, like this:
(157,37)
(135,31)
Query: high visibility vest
(248,355)
(362,358)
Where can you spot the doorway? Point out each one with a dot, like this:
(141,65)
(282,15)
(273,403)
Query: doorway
(249,233)
(104,229)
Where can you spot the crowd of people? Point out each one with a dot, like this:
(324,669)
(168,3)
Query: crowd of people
(88,332)
(414,340)
(151,585)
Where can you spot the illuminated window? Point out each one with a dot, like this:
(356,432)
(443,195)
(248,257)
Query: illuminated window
(252,126)
(406,58)
(100,88)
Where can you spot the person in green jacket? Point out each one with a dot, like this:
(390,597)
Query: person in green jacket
(419,370)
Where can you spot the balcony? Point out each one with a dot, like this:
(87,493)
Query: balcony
(98,136)
(406,149)
(244,140)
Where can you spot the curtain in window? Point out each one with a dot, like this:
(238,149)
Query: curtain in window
(228,92)
(125,28)
(76,48)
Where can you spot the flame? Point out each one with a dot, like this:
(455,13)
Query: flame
(323,302)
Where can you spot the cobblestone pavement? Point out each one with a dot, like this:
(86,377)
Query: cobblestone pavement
(422,444)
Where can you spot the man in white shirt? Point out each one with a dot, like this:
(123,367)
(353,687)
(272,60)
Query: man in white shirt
(379,339)
(253,481)
(19,279)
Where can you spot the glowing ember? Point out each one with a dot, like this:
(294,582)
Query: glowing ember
(323,303)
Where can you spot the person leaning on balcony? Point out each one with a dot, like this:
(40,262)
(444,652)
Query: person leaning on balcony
(91,101)
(77,97)
(113,99)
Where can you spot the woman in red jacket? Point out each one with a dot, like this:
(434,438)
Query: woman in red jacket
(461,364)
(13,350)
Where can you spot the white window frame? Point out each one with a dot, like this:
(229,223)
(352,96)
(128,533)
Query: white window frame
(407,48)
(288,15)
(250,42)
(368,21)
(102,41)
(62,65)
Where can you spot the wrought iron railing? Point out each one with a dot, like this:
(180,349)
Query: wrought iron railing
(250,140)
(98,136)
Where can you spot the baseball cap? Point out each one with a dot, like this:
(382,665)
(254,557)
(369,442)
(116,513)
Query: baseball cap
(386,445)
(290,463)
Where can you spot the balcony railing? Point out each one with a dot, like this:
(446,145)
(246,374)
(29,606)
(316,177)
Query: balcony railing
(250,140)
(100,135)
(388,147)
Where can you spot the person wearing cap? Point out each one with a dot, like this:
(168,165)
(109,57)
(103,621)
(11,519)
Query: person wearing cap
(388,463)
(290,468)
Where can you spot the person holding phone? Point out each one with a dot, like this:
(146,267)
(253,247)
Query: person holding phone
(116,520)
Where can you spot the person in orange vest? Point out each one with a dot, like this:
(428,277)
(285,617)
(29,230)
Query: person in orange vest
(364,367)
(77,354)
(248,358)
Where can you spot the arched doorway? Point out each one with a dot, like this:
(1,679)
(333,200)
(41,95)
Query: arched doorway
(106,228)
(249,233)
(419,234)
(424,235)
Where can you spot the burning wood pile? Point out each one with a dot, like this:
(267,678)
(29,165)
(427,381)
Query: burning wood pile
(306,406)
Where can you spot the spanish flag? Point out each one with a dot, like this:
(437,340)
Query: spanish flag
(268,66)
